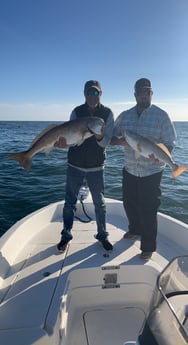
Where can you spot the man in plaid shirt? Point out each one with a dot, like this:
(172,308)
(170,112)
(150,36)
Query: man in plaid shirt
(142,176)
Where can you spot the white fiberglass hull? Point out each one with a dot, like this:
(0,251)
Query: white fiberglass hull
(84,296)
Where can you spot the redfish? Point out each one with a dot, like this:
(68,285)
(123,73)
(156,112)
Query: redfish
(74,132)
(148,149)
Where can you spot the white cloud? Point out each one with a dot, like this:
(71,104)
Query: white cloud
(176,108)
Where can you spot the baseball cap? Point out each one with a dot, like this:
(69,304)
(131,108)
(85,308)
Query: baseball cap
(142,83)
(92,84)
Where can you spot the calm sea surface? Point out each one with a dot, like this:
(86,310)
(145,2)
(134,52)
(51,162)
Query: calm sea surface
(22,192)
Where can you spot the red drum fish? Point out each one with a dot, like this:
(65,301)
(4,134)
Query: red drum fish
(148,149)
(74,132)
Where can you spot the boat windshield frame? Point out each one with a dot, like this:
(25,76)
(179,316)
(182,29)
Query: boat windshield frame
(173,281)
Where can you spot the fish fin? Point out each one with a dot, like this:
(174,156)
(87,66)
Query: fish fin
(178,171)
(164,148)
(48,149)
(23,159)
(44,131)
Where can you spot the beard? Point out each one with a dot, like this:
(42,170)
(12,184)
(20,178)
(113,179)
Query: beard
(144,103)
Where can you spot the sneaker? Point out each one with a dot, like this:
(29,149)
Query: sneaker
(62,245)
(130,236)
(146,255)
(107,245)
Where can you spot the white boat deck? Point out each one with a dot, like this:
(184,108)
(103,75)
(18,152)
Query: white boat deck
(37,300)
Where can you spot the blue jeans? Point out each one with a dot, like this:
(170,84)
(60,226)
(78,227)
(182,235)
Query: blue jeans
(95,181)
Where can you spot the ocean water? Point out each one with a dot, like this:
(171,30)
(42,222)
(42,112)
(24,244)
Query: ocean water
(22,193)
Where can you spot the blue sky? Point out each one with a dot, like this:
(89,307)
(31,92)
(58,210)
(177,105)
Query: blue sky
(49,48)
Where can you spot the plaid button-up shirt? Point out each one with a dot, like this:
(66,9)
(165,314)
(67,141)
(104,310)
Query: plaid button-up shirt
(154,124)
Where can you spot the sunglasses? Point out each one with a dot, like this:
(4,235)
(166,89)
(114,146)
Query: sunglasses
(144,91)
(92,92)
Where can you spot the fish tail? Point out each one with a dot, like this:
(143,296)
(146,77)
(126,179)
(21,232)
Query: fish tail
(178,170)
(23,159)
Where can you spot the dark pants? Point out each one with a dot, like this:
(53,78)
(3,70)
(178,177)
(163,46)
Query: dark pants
(95,181)
(141,200)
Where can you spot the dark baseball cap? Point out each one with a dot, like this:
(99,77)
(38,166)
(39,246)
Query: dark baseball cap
(142,83)
(92,84)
